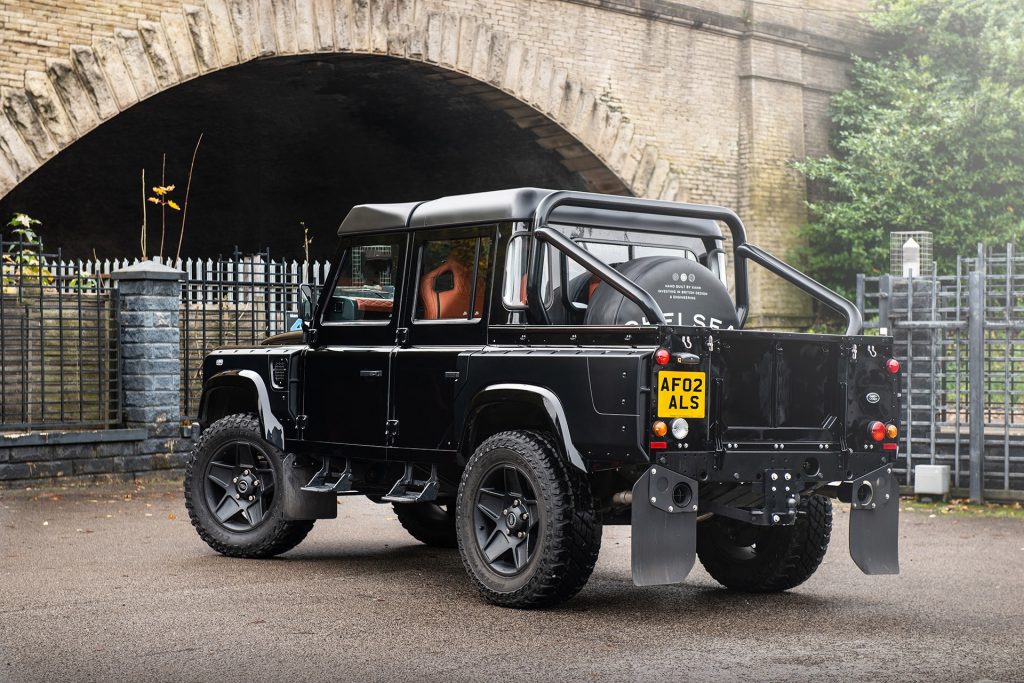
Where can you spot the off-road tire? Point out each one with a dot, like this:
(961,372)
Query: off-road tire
(429,523)
(785,556)
(570,532)
(275,534)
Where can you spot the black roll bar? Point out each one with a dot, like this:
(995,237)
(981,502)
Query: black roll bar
(854,320)
(741,251)
(638,295)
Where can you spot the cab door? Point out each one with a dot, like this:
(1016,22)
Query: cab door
(348,369)
(445,314)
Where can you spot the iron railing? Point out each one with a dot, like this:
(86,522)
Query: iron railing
(235,300)
(238,299)
(960,340)
(58,343)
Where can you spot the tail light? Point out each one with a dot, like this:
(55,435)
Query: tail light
(892,431)
(662,356)
(877,430)
(659,428)
(892,365)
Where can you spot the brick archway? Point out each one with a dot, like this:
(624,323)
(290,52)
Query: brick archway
(96,82)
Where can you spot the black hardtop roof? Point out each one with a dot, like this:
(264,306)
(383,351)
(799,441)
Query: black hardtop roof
(518,204)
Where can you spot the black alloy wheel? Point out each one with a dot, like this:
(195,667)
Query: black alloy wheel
(525,522)
(232,491)
(240,485)
(506,520)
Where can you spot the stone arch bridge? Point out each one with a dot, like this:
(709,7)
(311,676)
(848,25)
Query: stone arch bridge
(696,101)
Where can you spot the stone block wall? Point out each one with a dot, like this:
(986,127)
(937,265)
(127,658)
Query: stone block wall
(84,455)
(696,101)
(149,439)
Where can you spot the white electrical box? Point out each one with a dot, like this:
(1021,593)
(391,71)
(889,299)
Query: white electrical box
(931,480)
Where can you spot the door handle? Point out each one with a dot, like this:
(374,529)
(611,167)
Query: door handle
(452,375)
(371,373)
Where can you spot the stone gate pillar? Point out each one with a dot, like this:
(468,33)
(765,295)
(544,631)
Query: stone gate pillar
(149,296)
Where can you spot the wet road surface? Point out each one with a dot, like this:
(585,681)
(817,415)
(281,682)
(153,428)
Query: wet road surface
(111,583)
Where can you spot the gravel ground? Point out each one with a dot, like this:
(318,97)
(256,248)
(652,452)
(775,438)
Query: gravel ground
(112,583)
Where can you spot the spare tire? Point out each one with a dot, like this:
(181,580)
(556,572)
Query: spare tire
(688,293)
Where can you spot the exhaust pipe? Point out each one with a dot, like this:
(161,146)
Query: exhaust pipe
(625,499)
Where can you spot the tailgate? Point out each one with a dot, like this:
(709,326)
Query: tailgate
(768,387)
(767,390)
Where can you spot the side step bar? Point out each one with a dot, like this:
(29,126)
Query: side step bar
(408,489)
(319,483)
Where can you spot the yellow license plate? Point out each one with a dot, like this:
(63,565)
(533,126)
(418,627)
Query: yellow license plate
(682,394)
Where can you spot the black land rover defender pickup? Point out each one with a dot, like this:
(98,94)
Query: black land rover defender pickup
(512,370)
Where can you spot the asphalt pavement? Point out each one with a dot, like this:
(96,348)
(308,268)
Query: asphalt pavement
(112,583)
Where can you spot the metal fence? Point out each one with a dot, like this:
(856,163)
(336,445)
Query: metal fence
(236,300)
(58,343)
(58,335)
(959,338)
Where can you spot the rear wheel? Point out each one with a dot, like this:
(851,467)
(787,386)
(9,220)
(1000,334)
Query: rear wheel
(231,491)
(527,531)
(429,523)
(763,559)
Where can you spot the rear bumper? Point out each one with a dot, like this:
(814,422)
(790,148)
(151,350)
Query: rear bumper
(807,464)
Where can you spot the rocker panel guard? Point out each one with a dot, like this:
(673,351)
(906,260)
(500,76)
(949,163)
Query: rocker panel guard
(874,522)
(664,531)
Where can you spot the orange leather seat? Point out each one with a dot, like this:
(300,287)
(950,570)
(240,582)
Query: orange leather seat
(450,303)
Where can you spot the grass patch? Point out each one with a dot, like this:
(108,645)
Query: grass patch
(964,508)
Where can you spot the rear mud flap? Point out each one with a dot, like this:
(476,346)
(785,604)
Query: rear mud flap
(664,527)
(874,522)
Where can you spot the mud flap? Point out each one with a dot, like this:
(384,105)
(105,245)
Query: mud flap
(874,522)
(297,504)
(664,527)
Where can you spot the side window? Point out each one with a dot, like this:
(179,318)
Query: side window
(452,279)
(364,290)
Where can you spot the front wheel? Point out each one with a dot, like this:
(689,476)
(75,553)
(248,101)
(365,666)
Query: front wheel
(766,559)
(527,531)
(231,491)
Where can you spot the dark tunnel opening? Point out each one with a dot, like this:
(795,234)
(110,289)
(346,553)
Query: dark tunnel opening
(285,141)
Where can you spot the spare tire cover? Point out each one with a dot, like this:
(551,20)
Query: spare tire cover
(688,293)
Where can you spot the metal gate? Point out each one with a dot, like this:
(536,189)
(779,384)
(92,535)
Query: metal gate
(959,338)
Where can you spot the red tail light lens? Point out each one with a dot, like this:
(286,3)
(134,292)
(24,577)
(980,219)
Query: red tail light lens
(662,356)
(892,365)
(877,430)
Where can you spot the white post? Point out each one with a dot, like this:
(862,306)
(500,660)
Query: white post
(911,258)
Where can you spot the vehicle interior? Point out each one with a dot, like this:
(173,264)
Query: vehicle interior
(685,275)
